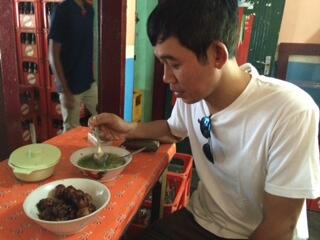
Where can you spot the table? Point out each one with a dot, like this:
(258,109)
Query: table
(127,192)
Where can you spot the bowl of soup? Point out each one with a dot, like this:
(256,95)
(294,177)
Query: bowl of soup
(113,166)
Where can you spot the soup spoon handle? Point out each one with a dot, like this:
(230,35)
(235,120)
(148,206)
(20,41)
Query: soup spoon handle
(100,156)
(134,152)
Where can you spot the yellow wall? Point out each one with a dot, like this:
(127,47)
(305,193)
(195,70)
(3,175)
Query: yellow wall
(301,22)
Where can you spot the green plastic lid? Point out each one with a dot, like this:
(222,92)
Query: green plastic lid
(35,156)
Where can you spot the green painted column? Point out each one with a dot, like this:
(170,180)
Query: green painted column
(144,63)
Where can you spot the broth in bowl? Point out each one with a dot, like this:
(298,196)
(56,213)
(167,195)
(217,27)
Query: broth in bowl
(115,164)
(113,161)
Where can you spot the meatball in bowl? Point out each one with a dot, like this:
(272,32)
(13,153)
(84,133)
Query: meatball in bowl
(66,206)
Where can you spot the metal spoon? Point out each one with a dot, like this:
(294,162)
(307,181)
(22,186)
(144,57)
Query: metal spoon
(129,154)
(100,157)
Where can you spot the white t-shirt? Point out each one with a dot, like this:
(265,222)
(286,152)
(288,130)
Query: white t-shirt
(266,140)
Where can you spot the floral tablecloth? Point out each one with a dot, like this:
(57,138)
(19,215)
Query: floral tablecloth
(127,192)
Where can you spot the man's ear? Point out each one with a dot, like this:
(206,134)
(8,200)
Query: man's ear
(220,53)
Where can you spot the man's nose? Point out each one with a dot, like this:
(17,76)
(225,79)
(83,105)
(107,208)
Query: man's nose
(168,76)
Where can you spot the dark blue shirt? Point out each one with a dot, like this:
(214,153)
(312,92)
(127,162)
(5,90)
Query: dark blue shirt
(74,30)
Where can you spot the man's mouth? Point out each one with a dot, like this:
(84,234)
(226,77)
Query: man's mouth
(177,93)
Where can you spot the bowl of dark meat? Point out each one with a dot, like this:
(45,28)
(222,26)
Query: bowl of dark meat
(66,206)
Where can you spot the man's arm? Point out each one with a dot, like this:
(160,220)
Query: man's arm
(112,127)
(154,130)
(57,69)
(280,216)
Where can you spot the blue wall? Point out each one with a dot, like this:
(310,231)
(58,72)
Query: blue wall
(129,82)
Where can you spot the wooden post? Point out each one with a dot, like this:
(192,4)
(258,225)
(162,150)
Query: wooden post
(112,56)
(9,91)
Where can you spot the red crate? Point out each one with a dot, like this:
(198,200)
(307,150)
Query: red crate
(187,191)
(33,109)
(47,10)
(40,101)
(55,127)
(34,98)
(134,230)
(31,72)
(29,45)
(33,101)
(26,130)
(28,14)
(142,217)
(173,181)
(54,107)
(185,162)
(136,227)
(49,77)
(140,221)
(25,135)
(46,44)
(26,110)
(314,205)
(42,128)
(26,95)
(41,110)
(308,203)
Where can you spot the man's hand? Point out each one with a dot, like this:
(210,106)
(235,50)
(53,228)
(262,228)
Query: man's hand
(111,126)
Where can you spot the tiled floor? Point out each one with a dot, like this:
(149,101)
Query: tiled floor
(313,217)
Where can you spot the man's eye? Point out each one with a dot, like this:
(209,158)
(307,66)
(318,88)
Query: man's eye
(175,66)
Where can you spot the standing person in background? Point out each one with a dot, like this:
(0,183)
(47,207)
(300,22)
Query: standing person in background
(71,59)
(254,139)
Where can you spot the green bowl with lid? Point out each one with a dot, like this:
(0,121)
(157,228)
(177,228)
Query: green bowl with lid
(34,162)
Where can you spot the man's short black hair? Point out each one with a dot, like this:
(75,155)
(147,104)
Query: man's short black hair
(196,24)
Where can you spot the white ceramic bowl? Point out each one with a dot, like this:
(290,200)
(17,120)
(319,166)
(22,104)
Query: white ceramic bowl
(105,174)
(99,193)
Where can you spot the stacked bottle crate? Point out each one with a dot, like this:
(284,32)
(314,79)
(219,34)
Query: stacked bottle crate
(29,39)
(53,102)
(181,166)
(177,193)
(40,105)
(313,204)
